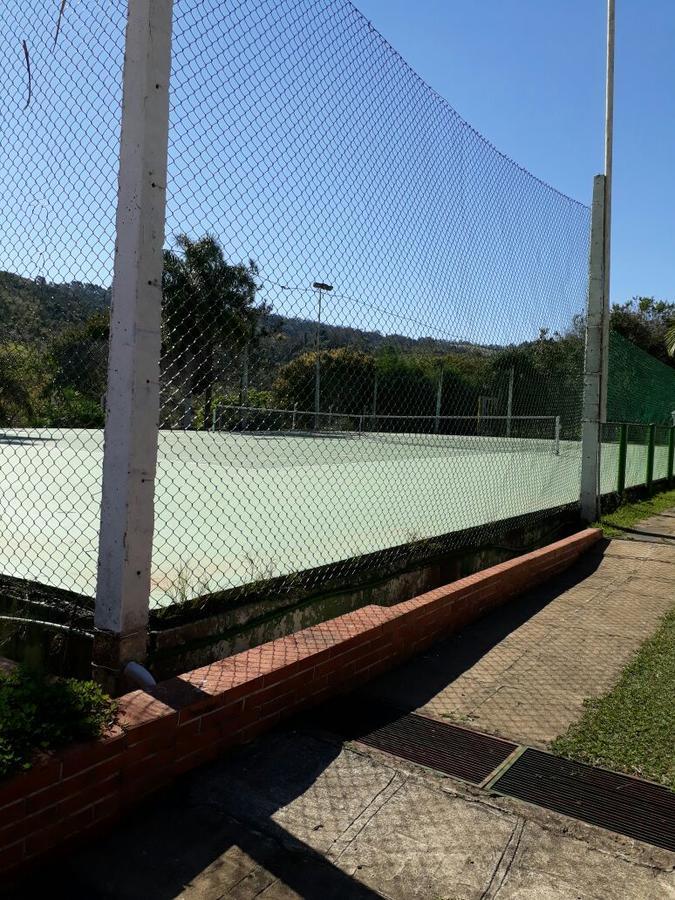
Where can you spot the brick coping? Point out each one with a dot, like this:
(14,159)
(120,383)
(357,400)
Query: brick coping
(192,718)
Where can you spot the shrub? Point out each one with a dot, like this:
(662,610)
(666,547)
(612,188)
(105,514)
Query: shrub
(42,713)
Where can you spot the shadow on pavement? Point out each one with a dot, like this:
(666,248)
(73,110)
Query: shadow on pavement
(413,684)
(264,817)
(212,834)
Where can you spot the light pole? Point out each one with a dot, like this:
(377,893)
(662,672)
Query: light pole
(320,286)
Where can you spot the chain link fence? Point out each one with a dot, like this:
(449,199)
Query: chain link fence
(372,319)
(61,70)
(372,323)
(640,388)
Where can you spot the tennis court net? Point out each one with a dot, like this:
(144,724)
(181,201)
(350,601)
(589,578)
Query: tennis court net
(486,432)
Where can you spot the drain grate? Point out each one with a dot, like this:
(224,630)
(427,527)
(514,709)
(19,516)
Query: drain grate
(619,803)
(437,745)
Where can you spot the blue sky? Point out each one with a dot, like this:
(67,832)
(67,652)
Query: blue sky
(529,75)
(301,138)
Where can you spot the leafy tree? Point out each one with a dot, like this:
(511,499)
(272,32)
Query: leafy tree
(670,340)
(646,322)
(80,357)
(209,314)
(346,381)
(21,382)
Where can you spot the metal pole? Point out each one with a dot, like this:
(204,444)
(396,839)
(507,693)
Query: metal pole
(244,388)
(609,139)
(557,435)
(132,417)
(509,403)
(593,360)
(317,369)
(651,442)
(439,397)
(623,453)
(375,396)
(295,414)
(671,453)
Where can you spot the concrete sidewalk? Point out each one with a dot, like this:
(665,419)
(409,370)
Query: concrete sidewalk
(299,814)
(524,671)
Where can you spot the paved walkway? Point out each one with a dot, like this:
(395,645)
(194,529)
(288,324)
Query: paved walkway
(298,814)
(524,672)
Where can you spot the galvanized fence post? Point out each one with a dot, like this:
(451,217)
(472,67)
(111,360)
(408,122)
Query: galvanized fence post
(557,435)
(623,452)
(594,359)
(132,417)
(651,441)
(671,452)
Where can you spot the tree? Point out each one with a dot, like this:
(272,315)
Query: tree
(79,357)
(209,315)
(670,340)
(346,381)
(20,384)
(646,322)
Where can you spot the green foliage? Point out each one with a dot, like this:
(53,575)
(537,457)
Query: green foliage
(34,311)
(22,379)
(670,340)
(632,727)
(645,322)
(71,409)
(346,380)
(40,713)
(548,377)
(208,308)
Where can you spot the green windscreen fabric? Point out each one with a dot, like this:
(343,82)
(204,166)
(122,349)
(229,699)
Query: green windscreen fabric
(639,388)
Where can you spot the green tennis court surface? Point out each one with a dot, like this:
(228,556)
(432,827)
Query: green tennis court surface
(236,507)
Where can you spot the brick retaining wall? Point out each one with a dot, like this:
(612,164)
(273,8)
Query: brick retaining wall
(192,718)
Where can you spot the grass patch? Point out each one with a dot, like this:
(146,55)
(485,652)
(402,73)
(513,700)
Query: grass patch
(629,514)
(632,727)
(42,713)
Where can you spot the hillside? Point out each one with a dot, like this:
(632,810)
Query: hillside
(32,311)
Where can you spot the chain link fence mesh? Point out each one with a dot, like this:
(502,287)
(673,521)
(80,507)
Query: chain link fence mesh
(372,325)
(61,71)
(372,318)
(640,388)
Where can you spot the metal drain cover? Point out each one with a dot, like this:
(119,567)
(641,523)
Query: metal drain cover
(619,803)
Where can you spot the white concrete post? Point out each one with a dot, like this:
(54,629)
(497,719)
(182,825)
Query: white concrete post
(594,365)
(132,418)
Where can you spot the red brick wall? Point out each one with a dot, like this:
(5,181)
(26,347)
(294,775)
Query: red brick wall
(192,718)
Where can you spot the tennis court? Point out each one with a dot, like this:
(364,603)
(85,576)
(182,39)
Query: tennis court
(235,507)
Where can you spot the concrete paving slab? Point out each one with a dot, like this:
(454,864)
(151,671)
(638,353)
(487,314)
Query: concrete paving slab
(524,671)
(347,823)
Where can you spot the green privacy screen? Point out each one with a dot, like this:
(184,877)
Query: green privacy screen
(640,388)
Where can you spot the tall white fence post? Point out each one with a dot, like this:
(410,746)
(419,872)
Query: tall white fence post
(594,360)
(132,417)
